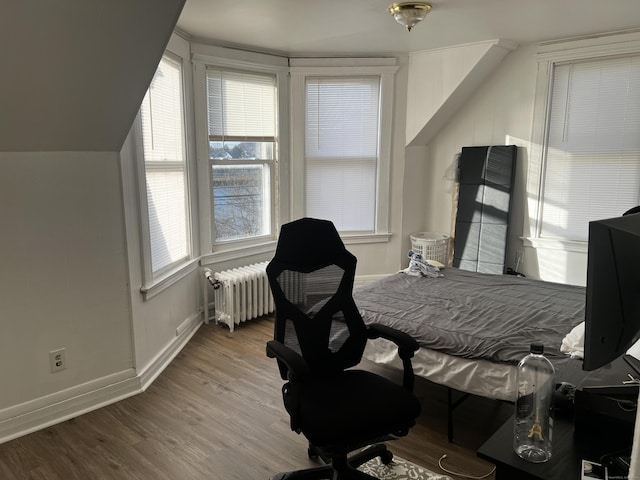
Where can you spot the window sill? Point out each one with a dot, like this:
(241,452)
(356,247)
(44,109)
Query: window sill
(354,239)
(270,247)
(555,244)
(165,281)
(239,252)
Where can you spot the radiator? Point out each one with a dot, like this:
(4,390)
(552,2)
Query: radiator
(239,294)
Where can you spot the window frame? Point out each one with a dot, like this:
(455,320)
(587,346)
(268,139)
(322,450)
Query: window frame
(226,59)
(155,282)
(385,69)
(270,163)
(548,57)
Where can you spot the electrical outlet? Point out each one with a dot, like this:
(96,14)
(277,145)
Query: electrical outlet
(57,360)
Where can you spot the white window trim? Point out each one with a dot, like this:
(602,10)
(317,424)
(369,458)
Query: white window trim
(177,48)
(220,57)
(548,56)
(307,67)
(169,278)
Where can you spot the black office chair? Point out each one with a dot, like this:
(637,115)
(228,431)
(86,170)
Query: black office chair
(318,336)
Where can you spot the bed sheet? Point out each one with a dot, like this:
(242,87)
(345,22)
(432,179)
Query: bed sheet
(473,328)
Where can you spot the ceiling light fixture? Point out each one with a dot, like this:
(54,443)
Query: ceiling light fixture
(408,14)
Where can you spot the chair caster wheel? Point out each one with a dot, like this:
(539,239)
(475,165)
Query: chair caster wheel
(386,457)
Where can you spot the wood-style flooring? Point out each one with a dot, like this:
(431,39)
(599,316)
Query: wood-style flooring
(216,413)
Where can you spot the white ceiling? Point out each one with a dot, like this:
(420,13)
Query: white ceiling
(364,27)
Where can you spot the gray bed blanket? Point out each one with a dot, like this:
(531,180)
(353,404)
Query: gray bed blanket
(475,315)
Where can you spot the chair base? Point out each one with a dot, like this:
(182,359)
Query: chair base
(341,468)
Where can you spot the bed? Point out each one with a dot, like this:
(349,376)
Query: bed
(473,328)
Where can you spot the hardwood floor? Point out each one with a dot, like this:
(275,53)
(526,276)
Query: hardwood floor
(216,413)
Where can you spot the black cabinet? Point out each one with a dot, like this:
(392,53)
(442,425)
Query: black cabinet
(484,202)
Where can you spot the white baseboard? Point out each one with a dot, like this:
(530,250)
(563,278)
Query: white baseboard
(184,332)
(48,410)
(42,412)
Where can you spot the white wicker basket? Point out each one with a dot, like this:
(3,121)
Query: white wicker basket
(432,246)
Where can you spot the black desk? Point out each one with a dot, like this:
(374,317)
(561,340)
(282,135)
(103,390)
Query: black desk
(567,454)
(564,464)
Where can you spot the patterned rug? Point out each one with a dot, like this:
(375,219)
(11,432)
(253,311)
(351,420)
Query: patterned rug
(399,469)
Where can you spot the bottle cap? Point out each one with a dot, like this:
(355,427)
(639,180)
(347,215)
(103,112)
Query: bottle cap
(537,348)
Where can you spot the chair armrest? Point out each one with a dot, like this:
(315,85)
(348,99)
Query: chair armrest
(296,365)
(407,346)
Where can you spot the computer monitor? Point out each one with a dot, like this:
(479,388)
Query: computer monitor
(612,314)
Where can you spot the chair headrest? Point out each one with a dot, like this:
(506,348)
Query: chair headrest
(310,242)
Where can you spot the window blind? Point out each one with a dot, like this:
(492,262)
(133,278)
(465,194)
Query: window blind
(592,168)
(241,106)
(165,166)
(341,150)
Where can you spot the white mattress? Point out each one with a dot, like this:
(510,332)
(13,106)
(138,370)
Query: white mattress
(478,377)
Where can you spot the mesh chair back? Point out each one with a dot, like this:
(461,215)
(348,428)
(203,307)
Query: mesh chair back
(311,278)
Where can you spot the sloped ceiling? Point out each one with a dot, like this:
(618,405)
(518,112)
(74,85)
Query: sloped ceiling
(74,71)
(452,75)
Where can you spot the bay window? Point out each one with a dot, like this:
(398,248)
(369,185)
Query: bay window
(242,125)
(165,203)
(341,144)
(342,128)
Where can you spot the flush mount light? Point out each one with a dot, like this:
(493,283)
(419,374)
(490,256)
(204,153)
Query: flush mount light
(408,14)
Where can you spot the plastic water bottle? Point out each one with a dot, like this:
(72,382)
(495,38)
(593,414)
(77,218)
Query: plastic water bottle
(534,406)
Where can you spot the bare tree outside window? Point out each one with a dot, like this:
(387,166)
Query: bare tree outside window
(241,192)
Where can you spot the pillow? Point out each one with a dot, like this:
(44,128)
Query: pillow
(573,342)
